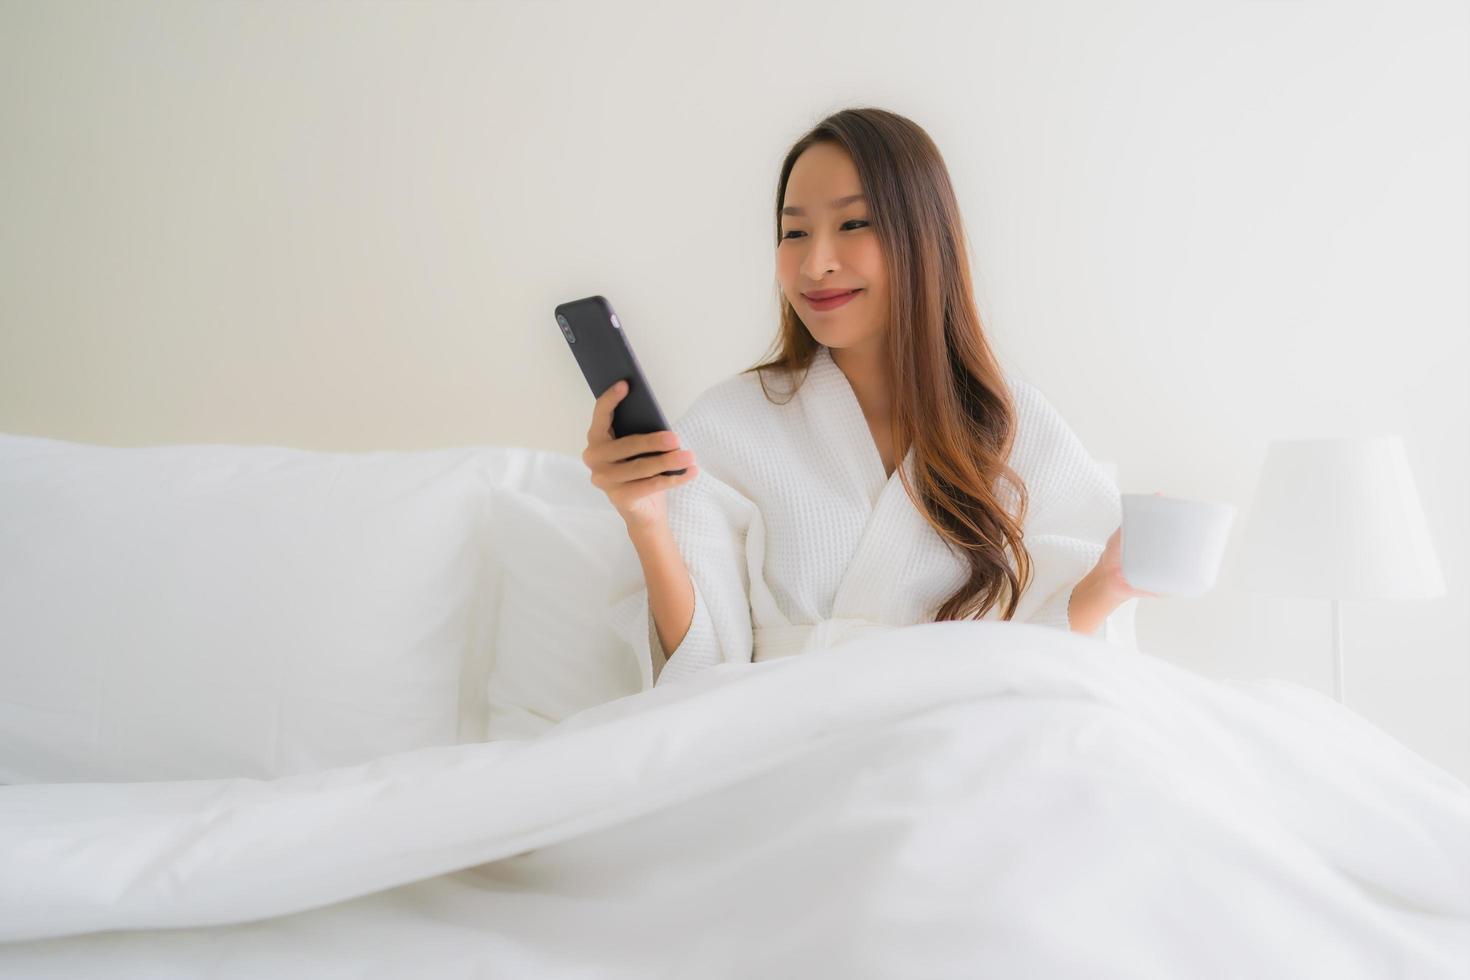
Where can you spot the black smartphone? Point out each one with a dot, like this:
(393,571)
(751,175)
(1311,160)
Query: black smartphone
(600,344)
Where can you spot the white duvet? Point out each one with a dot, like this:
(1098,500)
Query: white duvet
(979,799)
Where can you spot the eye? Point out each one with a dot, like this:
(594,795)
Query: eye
(851,221)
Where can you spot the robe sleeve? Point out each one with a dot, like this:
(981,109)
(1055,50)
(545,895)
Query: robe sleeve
(713,526)
(1073,508)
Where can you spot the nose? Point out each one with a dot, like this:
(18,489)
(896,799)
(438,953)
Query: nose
(821,258)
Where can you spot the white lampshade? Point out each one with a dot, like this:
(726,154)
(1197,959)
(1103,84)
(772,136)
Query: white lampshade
(1338,519)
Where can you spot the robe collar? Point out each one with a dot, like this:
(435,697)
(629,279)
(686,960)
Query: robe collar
(834,408)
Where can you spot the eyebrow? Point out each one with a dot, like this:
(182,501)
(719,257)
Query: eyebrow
(839,203)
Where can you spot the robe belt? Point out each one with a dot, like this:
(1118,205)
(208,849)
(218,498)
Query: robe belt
(771,642)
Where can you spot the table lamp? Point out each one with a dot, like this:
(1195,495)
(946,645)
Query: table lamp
(1338,518)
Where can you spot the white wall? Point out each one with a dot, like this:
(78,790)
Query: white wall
(1197,226)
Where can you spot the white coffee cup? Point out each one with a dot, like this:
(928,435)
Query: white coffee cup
(1172,546)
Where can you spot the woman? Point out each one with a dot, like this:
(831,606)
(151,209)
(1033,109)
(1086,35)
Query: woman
(898,477)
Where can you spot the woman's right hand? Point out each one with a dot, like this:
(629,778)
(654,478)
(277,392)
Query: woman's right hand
(633,485)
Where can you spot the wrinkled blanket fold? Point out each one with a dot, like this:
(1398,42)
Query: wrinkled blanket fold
(985,794)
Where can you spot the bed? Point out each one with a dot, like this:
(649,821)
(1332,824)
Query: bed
(270,712)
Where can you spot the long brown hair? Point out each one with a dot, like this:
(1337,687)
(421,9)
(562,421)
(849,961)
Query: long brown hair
(950,400)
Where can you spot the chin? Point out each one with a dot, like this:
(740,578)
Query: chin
(842,339)
(824,337)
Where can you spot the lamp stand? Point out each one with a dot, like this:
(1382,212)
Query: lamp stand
(1337,649)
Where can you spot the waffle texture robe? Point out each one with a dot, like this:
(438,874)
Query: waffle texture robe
(795,537)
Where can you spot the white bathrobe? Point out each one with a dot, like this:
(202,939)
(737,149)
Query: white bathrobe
(795,537)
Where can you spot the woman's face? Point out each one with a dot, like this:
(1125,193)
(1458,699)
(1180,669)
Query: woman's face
(831,245)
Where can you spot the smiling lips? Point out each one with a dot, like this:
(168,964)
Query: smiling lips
(829,299)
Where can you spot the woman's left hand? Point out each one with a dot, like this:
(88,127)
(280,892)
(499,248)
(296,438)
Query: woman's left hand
(1108,572)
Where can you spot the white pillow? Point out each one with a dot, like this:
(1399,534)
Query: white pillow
(206,611)
(560,553)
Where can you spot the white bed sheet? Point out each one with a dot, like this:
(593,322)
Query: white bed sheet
(944,800)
